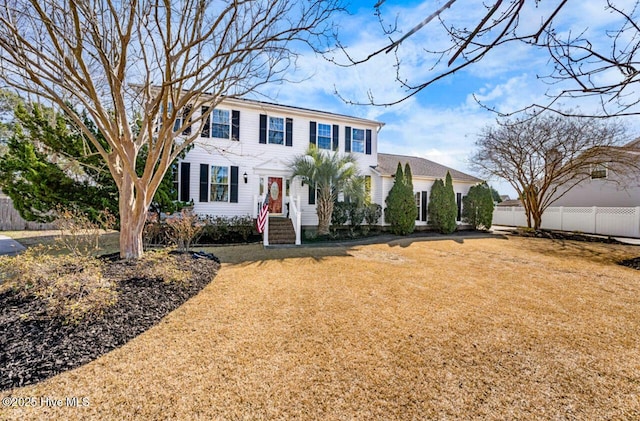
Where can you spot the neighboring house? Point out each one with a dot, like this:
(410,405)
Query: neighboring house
(606,187)
(246,147)
(510,202)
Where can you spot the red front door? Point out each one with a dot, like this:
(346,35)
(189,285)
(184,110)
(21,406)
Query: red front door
(274,190)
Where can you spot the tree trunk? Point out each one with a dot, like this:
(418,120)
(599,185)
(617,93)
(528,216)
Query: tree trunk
(133,214)
(537,219)
(324,209)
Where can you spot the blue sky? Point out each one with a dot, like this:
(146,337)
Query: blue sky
(442,122)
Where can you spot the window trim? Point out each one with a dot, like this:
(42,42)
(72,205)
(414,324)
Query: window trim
(207,124)
(329,137)
(212,184)
(283,130)
(362,142)
(598,172)
(228,123)
(180,119)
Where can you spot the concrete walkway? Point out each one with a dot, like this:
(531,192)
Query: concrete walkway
(9,245)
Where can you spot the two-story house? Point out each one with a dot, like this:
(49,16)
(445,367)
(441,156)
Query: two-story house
(245,148)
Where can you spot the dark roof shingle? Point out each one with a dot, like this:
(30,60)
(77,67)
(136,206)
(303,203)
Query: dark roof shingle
(420,167)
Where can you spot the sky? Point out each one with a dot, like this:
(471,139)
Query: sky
(442,122)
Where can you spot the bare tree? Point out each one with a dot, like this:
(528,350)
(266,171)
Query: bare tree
(134,65)
(574,57)
(543,157)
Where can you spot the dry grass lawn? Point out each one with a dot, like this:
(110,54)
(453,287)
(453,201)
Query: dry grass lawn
(511,328)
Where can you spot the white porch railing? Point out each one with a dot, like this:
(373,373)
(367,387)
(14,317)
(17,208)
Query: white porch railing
(295,214)
(623,222)
(296,217)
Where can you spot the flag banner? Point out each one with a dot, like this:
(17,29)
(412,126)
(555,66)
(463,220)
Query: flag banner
(262,216)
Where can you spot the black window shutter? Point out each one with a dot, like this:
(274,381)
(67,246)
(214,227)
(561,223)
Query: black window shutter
(347,139)
(185,181)
(336,135)
(185,114)
(424,206)
(206,123)
(312,132)
(459,203)
(233,193)
(312,194)
(289,133)
(263,128)
(204,183)
(368,144)
(235,125)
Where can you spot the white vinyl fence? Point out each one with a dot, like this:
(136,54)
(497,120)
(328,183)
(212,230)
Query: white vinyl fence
(622,222)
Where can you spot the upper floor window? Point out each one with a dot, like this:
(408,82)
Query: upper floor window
(357,141)
(181,118)
(598,171)
(324,136)
(220,123)
(276,130)
(219,184)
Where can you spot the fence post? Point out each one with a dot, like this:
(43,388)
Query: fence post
(561,218)
(594,209)
(637,234)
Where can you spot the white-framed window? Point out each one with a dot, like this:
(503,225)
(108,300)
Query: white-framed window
(324,136)
(220,124)
(418,202)
(598,171)
(357,140)
(276,130)
(219,184)
(181,118)
(217,124)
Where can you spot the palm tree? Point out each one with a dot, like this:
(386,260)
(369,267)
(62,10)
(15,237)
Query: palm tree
(331,173)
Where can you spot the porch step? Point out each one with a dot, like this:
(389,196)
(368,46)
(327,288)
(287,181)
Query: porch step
(281,231)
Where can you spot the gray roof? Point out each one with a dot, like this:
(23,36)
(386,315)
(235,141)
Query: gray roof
(420,167)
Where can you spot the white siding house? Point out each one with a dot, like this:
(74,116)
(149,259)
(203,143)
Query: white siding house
(424,173)
(245,150)
(605,187)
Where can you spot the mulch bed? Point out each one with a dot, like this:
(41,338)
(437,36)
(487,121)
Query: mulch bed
(34,348)
(632,263)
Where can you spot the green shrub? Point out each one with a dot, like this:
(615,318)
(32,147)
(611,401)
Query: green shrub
(243,226)
(356,216)
(477,206)
(340,214)
(217,228)
(372,214)
(72,287)
(214,230)
(442,206)
(401,209)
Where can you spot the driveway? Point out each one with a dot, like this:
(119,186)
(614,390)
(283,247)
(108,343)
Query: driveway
(9,245)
